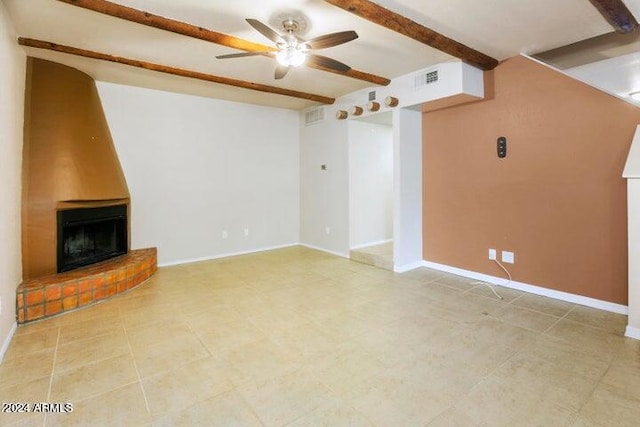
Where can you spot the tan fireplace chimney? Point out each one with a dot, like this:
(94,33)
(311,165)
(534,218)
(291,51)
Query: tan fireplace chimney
(69,159)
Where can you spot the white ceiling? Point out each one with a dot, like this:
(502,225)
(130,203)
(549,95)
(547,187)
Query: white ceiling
(619,76)
(499,28)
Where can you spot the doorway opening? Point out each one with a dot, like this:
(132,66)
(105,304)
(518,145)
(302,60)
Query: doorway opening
(371,166)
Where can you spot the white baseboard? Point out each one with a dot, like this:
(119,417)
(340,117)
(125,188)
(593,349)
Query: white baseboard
(225,255)
(366,245)
(7,341)
(324,250)
(407,267)
(533,289)
(632,332)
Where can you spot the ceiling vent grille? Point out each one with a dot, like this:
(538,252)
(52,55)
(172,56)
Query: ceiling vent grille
(314,116)
(372,95)
(427,78)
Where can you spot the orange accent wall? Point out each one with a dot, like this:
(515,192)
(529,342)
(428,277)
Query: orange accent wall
(557,200)
(69,159)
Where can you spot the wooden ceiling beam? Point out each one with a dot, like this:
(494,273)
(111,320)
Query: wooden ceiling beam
(405,26)
(359,75)
(162,23)
(183,28)
(39,44)
(617,14)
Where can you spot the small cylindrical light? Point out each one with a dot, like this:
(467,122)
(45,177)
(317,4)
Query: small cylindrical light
(391,101)
(356,110)
(341,114)
(373,106)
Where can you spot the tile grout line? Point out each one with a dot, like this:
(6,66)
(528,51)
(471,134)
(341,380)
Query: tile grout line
(53,370)
(490,375)
(600,381)
(246,402)
(557,321)
(135,365)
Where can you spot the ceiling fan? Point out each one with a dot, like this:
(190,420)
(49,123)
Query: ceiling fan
(293,51)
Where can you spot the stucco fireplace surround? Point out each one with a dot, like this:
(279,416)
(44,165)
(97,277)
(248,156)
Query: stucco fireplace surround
(70,257)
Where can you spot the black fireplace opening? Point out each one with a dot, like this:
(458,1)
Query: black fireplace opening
(90,235)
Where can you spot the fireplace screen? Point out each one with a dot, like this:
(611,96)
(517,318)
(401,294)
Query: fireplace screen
(90,235)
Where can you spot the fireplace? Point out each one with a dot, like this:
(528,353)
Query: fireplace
(90,235)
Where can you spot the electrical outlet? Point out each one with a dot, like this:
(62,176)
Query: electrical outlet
(508,257)
(492,254)
(327,230)
(225,234)
(246,232)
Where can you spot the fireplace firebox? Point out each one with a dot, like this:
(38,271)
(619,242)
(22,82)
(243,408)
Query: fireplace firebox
(90,235)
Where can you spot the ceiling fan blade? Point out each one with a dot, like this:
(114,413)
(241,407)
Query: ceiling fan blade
(265,30)
(333,39)
(241,55)
(326,62)
(281,71)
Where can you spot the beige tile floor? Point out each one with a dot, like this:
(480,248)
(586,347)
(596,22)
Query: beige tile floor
(380,255)
(301,338)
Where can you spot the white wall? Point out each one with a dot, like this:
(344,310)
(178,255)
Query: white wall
(12,84)
(407,189)
(454,78)
(371,182)
(633,320)
(324,194)
(632,173)
(196,167)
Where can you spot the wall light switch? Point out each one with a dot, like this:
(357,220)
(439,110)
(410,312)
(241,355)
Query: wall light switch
(508,257)
(492,254)
(327,230)
(246,232)
(225,234)
(502,147)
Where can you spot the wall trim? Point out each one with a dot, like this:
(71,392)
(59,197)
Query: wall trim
(632,332)
(225,255)
(324,250)
(7,341)
(407,267)
(533,289)
(366,245)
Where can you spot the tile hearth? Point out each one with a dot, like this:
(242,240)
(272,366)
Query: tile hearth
(47,296)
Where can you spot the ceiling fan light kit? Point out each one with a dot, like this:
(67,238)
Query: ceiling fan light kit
(293,51)
(291,56)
